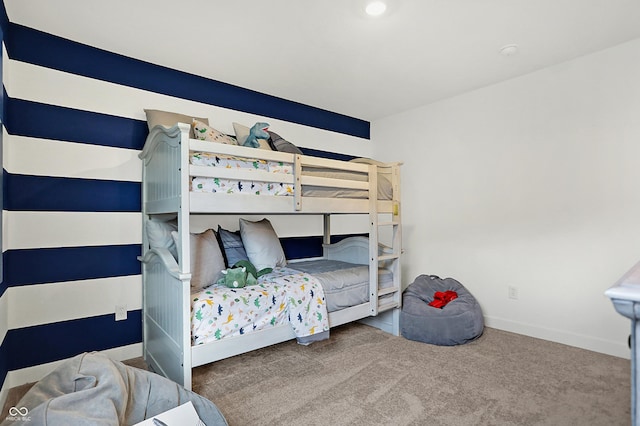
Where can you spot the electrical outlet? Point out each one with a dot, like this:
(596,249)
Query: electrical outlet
(513,292)
(121,312)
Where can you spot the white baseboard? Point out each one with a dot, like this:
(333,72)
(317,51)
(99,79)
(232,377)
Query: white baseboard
(607,347)
(33,374)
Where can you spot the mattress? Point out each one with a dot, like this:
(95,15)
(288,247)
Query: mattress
(385,189)
(255,187)
(231,186)
(344,284)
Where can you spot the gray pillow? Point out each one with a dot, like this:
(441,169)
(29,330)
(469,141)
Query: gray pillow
(262,244)
(159,234)
(206,259)
(232,246)
(278,144)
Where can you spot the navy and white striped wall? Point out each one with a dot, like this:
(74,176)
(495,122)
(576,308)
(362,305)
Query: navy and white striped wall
(73,124)
(4,309)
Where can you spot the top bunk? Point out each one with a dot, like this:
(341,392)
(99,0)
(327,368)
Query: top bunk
(224,178)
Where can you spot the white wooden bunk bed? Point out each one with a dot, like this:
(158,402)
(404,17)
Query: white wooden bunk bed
(166,189)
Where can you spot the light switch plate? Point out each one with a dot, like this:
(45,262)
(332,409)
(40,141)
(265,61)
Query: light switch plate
(121,312)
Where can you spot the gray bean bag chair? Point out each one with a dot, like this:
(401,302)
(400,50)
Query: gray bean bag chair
(459,321)
(91,389)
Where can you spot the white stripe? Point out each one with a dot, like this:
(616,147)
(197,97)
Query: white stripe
(5,234)
(49,303)
(35,373)
(76,229)
(286,225)
(40,84)
(49,86)
(6,74)
(4,314)
(70,229)
(44,157)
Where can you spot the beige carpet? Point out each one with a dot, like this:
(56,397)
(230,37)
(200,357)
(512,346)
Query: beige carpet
(362,376)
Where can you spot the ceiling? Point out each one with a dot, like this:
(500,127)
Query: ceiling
(329,54)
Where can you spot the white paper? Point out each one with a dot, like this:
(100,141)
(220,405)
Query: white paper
(183,415)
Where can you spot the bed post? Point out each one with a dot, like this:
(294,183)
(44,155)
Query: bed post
(373,240)
(326,235)
(145,249)
(165,282)
(184,254)
(297,183)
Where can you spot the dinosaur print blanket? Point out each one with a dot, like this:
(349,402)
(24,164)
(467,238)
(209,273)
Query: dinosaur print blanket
(280,297)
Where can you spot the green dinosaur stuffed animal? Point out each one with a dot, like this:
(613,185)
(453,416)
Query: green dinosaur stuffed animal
(234,277)
(242,274)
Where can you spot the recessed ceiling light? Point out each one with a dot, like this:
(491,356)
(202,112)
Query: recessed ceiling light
(375,8)
(509,50)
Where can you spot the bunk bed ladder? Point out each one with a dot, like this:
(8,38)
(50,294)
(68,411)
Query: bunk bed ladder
(387,225)
(389,258)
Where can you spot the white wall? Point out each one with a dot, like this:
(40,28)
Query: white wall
(532,183)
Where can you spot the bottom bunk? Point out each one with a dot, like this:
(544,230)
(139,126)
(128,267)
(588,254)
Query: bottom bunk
(186,327)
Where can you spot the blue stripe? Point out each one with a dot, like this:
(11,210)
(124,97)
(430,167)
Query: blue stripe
(60,264)
(51,265)
(33,119)
(39,48)
(45,193)
(326,154)
(38,120)
(41,344)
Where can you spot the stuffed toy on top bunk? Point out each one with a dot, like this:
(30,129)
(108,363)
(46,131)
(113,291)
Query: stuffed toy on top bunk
(257,131)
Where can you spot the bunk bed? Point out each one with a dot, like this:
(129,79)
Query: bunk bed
(176,182)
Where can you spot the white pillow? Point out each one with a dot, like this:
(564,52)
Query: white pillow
(242,133)
(204,132)
(159,234)
(207,262)
(262,244)
(170,119)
